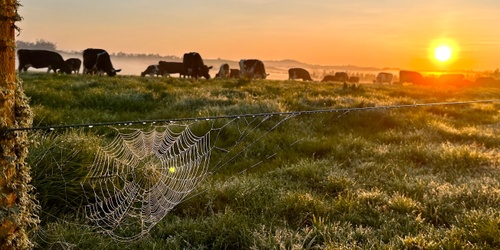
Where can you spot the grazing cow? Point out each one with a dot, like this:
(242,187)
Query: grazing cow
(252,69)
(338,77)
(41,59)
(152,70)
(167,68)
(341,76)
(194,66)
(74,64)
(353,79)
(411,77)
(383,77)
(234,73)
(452,79)
(98,61)
(296,73)
(329,78)
(487,81)
(224,71)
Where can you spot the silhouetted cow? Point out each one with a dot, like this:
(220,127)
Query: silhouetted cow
(194,66)
(224,71)
(383,77)
(299,73)
(74,64)
(452,79)
(341,77)
(413,77)
(252,69)
(487,81)
(152,70)
(234,73)
(168,68)
(353,79)
(41,59)
(97,61)
(329,78)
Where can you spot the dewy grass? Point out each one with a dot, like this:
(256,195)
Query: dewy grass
(409,178)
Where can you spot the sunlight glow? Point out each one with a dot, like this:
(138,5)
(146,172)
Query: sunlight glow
(443,53)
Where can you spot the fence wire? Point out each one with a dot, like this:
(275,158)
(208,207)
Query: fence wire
(167,121)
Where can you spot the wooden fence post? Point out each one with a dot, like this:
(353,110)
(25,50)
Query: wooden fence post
(18,208)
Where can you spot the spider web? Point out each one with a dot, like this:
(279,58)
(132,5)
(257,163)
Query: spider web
(141,175)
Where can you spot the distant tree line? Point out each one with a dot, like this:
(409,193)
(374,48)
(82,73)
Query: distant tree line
(143,55)
(39,44)
(42,44)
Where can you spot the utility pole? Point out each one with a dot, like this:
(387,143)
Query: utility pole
(18,208)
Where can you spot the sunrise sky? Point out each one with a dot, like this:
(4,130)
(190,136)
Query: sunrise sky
(382,33)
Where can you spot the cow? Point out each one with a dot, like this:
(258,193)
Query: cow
(341,77)
(194,66)
(167,68)
(487,81)
(383,77)
(234,73)
(296,73)
(98,61)
(41,59)
(338,77)
(252,69)
(74,64)
(452,79)
(329,78)
(413,77)
(152,70)
(224,71)
(353,79)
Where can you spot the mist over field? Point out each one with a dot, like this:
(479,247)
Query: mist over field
(277,70)
(133,64)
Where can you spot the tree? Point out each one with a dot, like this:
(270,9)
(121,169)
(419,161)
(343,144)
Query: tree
(39,44)
(18,208)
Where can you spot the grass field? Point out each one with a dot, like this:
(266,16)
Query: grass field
(406,178)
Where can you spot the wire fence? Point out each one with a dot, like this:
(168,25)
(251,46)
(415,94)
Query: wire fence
(167,121)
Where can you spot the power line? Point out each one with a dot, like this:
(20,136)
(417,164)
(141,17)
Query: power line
(340,110)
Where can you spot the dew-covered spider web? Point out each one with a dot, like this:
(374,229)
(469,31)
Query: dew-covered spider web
(143,173)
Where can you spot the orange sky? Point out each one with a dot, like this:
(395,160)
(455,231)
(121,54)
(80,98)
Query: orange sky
(383,33)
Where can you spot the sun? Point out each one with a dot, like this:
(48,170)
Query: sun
(443,53)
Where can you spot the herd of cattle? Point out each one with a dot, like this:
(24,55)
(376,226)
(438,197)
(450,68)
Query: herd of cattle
(98,61)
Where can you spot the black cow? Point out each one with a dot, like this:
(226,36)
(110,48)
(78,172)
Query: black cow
(488,81)
(341,77)
(98,61)
(452,79)
(194,66)
(329,78)
(338,77)
(74,64)
(353,79)
(152,70)
(167,68)
(296,73)
(411,77)
(224,71)
(41,59)
(234,73)
(252,69)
